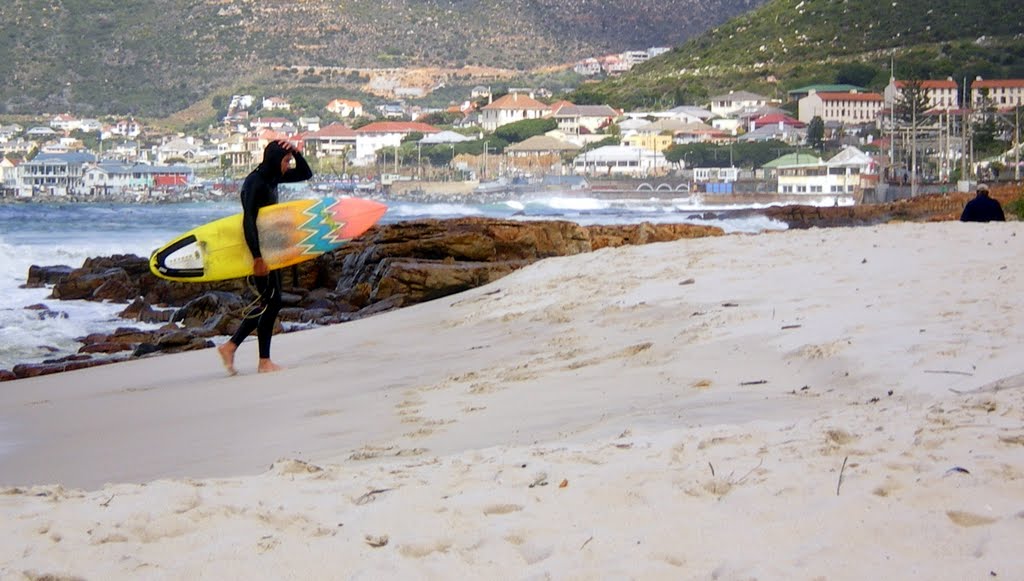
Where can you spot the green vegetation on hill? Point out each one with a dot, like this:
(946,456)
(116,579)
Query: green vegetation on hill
(787,44)
(154,58)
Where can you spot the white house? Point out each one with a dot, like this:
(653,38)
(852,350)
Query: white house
(345,107)
(620,160)
(9,132)
(56,174)
(587,67)
(65,122)
(1001,93)
(691,114)
(577,119)
(727,104)
(851,108)
(187,149)
(511,108)
(40,131)
(376,136)
(8,174)
(90,125)
(335,140)
(126,127)
(276,104)
(309,123)
(842,175)
(110,177)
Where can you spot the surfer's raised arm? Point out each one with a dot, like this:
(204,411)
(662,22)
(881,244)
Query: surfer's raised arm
(300,172)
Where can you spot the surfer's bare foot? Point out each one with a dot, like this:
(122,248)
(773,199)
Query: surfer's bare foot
(227,356)
(268,366)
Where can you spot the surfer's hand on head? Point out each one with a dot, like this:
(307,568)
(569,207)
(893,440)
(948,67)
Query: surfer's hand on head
(259,267)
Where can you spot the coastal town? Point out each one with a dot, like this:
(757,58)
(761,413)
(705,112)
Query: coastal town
(838,143)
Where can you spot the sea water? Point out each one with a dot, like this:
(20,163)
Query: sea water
(67,234)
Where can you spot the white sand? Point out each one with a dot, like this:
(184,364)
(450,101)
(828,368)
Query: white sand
(592,417)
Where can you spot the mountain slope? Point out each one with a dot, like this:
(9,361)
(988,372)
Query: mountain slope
(157,56)
(789,43)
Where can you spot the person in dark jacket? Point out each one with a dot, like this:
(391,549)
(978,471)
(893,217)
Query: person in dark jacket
(281,163)
(983,208)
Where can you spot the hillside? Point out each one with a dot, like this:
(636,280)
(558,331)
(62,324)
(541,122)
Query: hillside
(786,44)
(160,56)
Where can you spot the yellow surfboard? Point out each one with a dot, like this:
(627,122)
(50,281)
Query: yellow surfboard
(290,233)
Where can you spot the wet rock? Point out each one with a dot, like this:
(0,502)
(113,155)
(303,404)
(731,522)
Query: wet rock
(40,276)
(105,347)
(198,311)
(43,312)
(25,371)
(7,375)
(142,311)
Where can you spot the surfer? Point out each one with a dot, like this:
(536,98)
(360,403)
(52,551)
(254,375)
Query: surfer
(282,163)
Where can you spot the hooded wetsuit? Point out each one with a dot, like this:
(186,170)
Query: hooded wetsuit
(259,190)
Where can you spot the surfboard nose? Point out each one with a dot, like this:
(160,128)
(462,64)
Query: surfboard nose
(359,215)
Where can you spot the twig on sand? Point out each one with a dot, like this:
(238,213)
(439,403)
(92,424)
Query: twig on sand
(740,481)
(949,372)
(841,470)
(756,382)
(586,541)
(107,503)
(712,469)
(369,496)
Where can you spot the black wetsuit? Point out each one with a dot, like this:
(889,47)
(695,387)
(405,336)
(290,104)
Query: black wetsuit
(259,190)
(983,209)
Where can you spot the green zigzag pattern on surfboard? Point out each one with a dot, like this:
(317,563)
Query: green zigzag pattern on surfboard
(321,226)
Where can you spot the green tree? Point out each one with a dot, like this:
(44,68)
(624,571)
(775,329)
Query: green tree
(857,73)
(816,133)
(525,129)
(912,102)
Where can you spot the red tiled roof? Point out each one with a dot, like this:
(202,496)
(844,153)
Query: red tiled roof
(397,127)
(774,118)
(943,84)
(334,130)
(516,101)
(998,83)
(850,96)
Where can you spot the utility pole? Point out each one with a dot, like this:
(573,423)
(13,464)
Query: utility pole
(913,151)
(963,136)
(1016,143)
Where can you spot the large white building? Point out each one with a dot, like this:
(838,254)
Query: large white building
(111,177)
(1001,93)
(851,108)
(843,175)
(52,174)
(941,95)
(376,136)
(620,160)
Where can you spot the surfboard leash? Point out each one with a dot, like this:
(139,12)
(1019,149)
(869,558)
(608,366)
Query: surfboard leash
(250,309)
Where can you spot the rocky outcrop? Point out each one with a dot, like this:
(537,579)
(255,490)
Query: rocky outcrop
(389,267)
(930,208)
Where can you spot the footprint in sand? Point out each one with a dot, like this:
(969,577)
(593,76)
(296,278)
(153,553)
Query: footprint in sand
(502,509)
(969,519)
